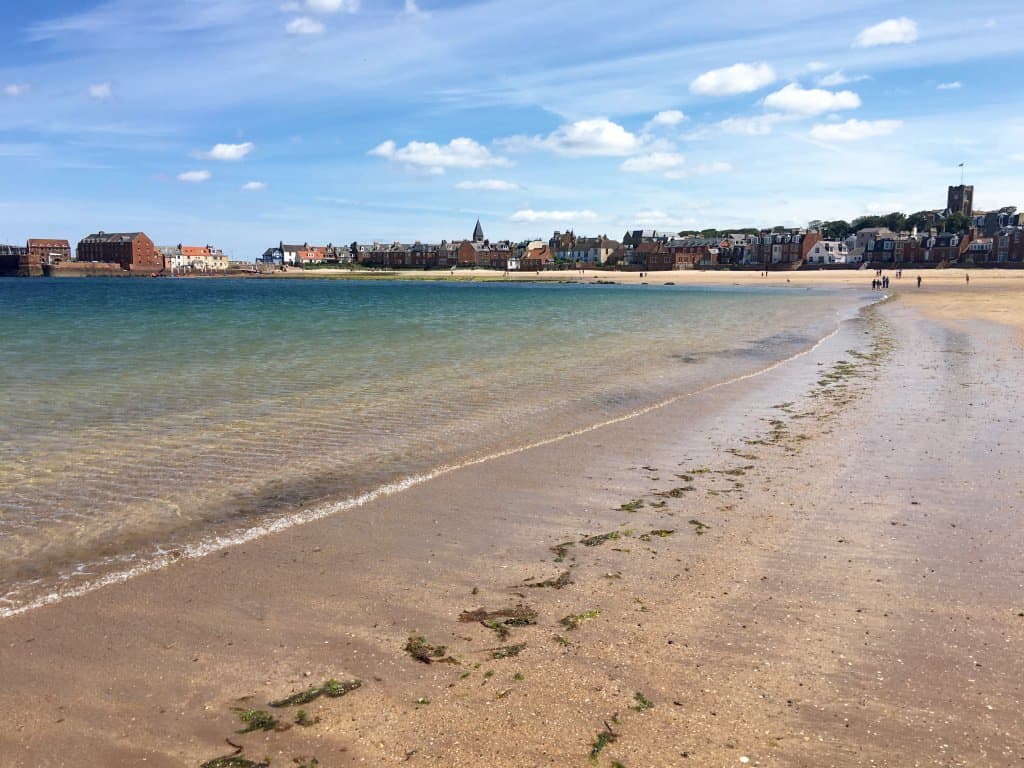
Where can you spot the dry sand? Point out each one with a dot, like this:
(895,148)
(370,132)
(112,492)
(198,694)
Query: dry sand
(855,599)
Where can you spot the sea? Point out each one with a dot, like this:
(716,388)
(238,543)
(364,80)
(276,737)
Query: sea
(143,421)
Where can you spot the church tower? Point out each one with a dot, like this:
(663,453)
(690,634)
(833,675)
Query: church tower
(478,233)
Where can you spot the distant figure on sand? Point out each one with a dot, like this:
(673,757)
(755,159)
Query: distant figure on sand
(968,279)
(918,281)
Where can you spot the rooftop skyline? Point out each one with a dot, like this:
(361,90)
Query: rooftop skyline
(243,124)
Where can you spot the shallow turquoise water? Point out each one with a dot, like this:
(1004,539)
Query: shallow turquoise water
(141,415)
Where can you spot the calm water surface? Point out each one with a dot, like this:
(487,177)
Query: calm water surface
(141,416)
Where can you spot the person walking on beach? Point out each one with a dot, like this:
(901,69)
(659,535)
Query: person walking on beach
(918,281)
(967,277)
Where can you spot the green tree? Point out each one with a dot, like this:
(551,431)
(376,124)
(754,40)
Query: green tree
(919,220)
(957,222)
(836,230)
(895,221)
(864,222)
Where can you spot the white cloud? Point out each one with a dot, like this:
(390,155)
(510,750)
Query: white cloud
(457,153)
(655,161)
(718,166)
(854,130)
(531,216)
(667,118)
(739,78)
(229,152)
(195,177)
(303,25)
(16,89)
(839,78)
(955,85)
(816,66)
(889,32)
(810,101)
(759,125)
(489,185)
(254,186)
(1019,156)
(412,9)
(333,6)
(585,138)
(101,90)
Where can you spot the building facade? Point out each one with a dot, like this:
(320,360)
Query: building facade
(132,251)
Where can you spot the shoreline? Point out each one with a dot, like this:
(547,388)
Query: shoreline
(208,545)
(739,632)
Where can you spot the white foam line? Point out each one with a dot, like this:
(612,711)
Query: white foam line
(217,543)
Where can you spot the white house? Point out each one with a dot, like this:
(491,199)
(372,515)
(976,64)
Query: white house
(828,252)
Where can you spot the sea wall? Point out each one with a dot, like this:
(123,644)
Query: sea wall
(84,269)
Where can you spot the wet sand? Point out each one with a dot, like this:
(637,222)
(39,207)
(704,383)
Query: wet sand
(842,585)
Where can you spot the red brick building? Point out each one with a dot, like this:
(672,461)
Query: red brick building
(133,251)
(47,251)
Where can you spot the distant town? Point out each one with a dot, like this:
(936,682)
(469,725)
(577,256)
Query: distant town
(956,235)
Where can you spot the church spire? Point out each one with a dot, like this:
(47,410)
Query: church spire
(478,233)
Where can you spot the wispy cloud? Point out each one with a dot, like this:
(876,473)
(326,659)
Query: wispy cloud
(489,185)
(254,186)
(195,177)
(303,25)
(333,6)
(101,91)
(739,78)
(412,9)
(758,125)
(457,153)
(840,78)
(530,216)
(953,86)
(890,32)
(653,162)
(16,89)
(854,130)
(229,152)
(709,169)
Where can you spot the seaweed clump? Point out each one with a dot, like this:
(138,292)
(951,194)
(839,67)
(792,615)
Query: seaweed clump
(573,621)
(563,579)
(699,527)
(508,651)
(593,541)
(234,760)
(642,703)
(331,688)
(258,720)
(604,738)
(422,651)
(661,533)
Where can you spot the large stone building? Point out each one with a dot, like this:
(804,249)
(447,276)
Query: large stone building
(960,199)
(133,251)
(42,250)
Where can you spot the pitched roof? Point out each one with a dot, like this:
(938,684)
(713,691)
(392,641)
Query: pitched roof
(111,237)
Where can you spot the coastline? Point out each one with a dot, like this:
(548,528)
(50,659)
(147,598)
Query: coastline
(749,636)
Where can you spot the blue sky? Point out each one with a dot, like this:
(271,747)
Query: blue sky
(242,122)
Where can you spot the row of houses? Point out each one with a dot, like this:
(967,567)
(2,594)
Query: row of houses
(126,252)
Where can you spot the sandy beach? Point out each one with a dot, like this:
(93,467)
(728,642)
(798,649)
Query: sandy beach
(820,565)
